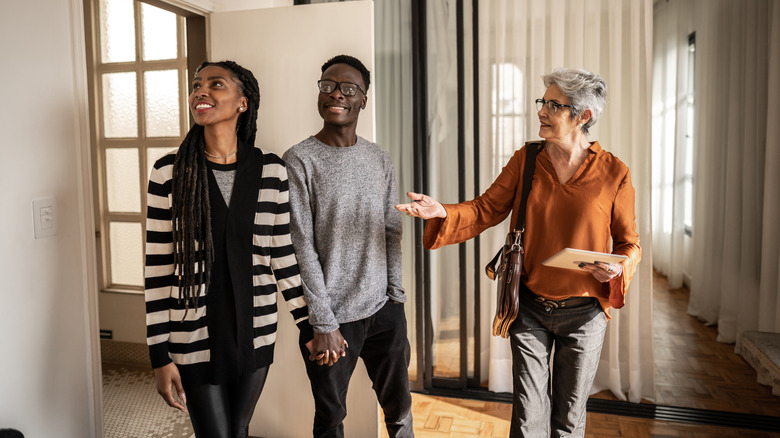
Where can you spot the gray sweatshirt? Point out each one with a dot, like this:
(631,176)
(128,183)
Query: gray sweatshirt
(345,229)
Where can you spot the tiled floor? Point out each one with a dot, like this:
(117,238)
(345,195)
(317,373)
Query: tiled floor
(133,409)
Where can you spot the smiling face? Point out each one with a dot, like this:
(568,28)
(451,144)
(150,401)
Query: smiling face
(216,97)
(558,126)
(335,108)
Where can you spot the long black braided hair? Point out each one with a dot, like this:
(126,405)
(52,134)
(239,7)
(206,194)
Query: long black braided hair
(191,210)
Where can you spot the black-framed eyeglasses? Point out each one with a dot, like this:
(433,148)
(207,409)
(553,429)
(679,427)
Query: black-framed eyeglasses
(551,105)
(347,88)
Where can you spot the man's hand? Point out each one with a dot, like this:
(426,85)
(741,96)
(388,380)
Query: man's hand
(327,348)
(166,376)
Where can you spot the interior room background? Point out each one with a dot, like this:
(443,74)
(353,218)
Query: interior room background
(726,249)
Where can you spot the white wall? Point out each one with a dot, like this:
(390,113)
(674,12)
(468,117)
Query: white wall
(125,315)
(241,5)
(205,7)
(46,379)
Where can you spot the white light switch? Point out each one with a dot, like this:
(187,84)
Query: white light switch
(45,217)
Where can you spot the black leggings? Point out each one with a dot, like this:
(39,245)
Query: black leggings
(224,411)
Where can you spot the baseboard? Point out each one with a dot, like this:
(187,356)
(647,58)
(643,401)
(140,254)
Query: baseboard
(125,353)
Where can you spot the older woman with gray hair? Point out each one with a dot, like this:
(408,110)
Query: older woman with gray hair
(582,198)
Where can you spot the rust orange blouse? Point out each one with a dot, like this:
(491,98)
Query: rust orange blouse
(596,204)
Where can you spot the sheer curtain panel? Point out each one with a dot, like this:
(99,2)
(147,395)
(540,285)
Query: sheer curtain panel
(736,239)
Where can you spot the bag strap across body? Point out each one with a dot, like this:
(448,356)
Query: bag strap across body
(532,149)
(528,176)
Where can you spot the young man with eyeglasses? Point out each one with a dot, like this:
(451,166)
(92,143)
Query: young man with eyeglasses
(347,238)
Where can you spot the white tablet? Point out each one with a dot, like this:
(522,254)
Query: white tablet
(570,258)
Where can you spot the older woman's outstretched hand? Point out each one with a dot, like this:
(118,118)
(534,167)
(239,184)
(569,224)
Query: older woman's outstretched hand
(422,206)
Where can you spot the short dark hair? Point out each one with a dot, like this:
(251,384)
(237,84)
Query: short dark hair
(352,62)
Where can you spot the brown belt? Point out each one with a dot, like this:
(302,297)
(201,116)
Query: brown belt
(560,304)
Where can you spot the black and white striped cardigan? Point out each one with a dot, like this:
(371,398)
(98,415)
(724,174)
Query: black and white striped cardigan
(182,337)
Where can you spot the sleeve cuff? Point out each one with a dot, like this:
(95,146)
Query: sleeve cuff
(396,295)
(431,233)
(617,297)
(307,332)
(325,329)
(159,355)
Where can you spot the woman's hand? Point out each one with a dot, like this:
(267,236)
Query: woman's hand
(166,376)
(327,348)
(422,206)
(310,347)
(603,272)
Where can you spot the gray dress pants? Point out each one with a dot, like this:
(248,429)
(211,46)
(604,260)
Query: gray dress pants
(549,401)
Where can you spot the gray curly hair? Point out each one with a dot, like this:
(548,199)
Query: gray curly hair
(585,89)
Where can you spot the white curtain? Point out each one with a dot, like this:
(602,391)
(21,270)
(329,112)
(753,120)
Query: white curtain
(519,41)
(735,236)
(769,301)
(671,93)
(391,82)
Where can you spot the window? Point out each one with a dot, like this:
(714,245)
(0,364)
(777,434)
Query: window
(688,146)
(138,75)
(508,113)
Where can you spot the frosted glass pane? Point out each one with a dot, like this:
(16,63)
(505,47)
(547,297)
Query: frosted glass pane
(123,188)
(117,31)
(158,32)
(162,103)
(126,242)
(154,154)
(120,105)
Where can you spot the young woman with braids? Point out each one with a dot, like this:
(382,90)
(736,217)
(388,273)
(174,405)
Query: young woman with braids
(217,248)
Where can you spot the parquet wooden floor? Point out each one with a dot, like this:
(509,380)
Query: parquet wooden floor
(692,370)
(442,417)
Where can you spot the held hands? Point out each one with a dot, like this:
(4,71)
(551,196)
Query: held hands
(166,376)
(327,348)
(603,272)
(422,206)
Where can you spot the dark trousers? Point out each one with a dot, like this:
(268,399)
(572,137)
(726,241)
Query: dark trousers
(380,340)
(224,411)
